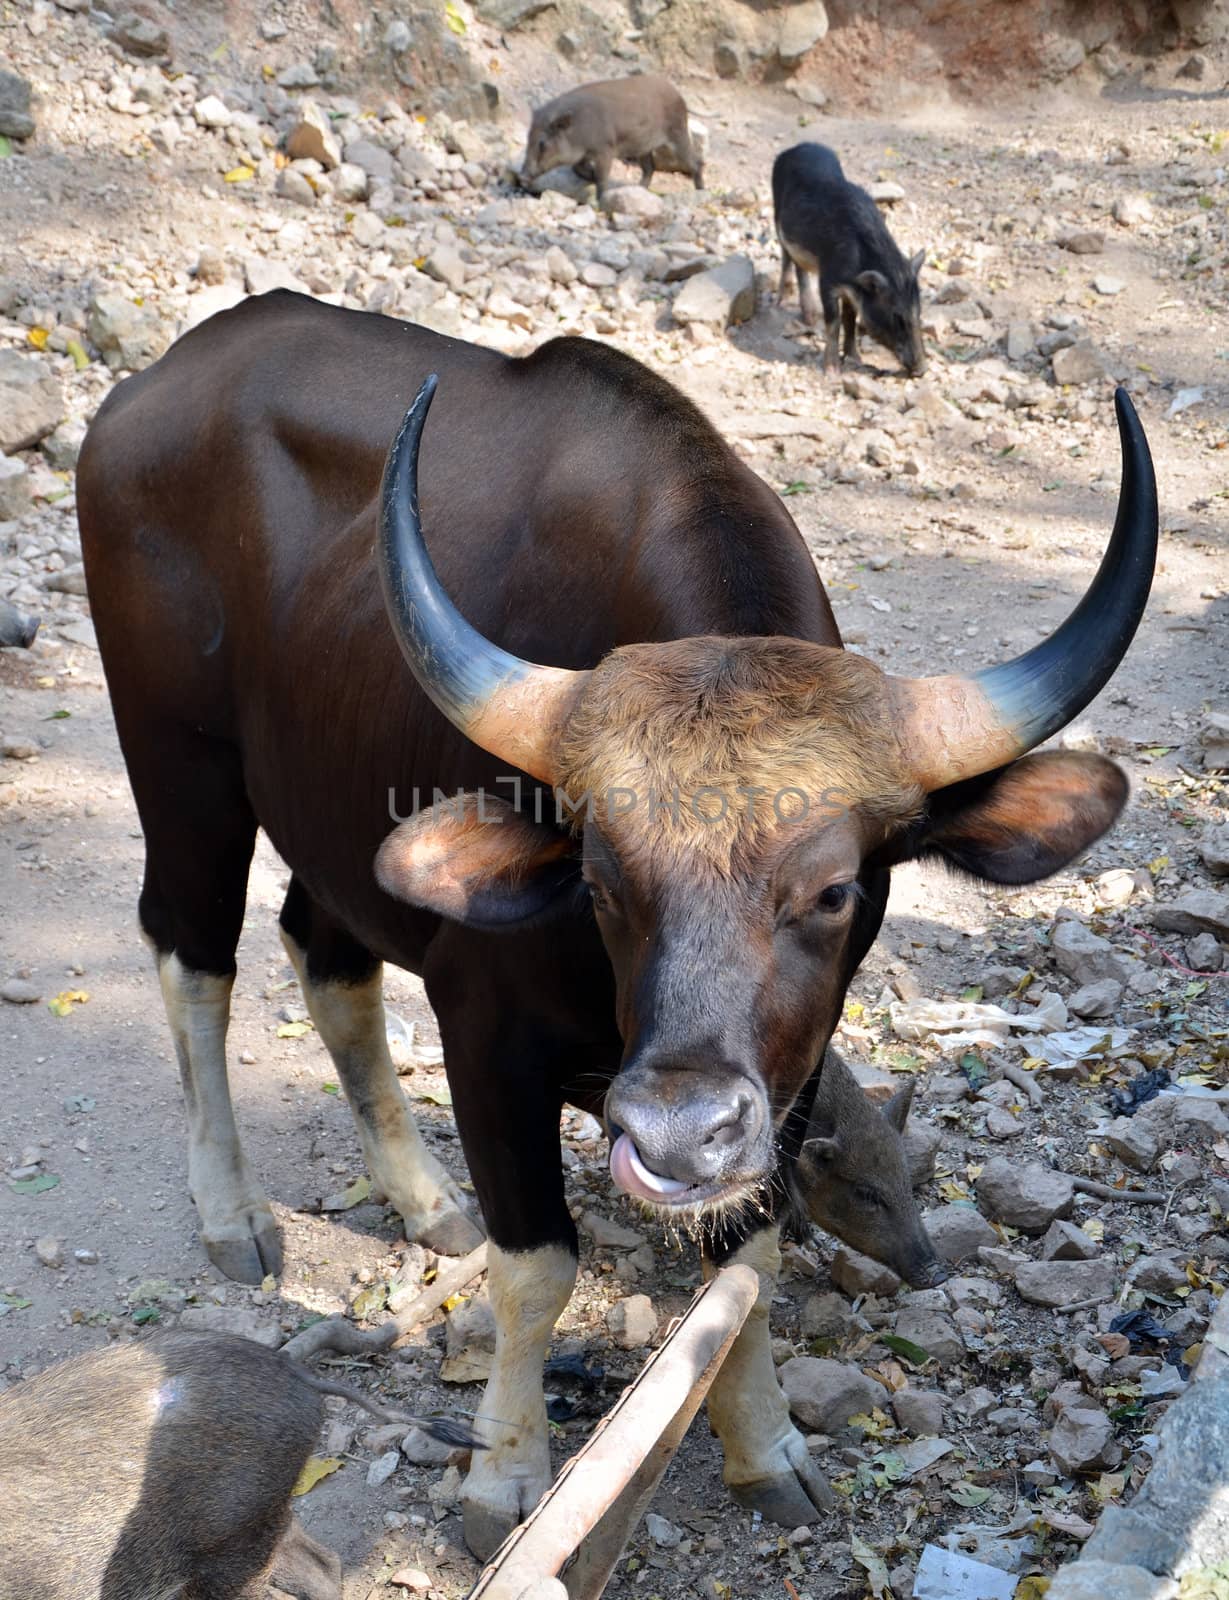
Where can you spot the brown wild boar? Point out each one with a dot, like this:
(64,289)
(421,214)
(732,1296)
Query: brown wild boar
(853,1176)
(641,120)
(164,1468)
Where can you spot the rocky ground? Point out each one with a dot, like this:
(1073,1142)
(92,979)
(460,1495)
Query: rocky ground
(1073,238)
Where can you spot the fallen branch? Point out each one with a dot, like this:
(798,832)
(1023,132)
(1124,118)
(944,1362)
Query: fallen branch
(446,1284)
(1102,1191)
(1080,1305)
(1024,1080)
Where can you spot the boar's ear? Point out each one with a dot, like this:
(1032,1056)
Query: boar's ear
(916,263)
(561,123)
(871,282)
(896,1110)
(1019,823)
(477,861)
(825,1147)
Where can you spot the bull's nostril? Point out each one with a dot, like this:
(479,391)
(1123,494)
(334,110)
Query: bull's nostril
(729,1127)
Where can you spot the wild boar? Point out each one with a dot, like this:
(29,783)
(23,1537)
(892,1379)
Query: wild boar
(830,227)
(163,1468)
(853,1179)
(640,119)
(16,631)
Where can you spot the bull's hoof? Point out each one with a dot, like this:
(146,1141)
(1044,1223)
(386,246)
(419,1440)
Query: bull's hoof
(452,1233)
(498,1505)
(486,1527)
(785,1499)
(249,1259)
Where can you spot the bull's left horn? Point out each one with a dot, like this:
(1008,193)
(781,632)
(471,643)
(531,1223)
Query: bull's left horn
(953,728)
(510,707)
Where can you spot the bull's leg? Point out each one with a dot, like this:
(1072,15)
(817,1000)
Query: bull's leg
(342,987)
(199,834)
(768,1467)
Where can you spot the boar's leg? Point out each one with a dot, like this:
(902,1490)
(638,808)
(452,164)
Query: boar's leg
(768,1467)
(849,327)
(301,1569)
(647,169)
(787,274)
(807,296)
(601,163)
(343,990)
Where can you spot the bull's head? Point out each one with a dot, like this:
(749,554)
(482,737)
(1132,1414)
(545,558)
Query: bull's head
(738,803)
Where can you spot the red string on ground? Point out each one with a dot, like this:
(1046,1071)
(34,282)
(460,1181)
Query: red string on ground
(1190,972)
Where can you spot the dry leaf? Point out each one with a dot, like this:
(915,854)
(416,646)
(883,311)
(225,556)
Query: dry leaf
(238,175)
(1115,1345)
(314,1469)
(38,338)
(293,1030)
(357,1192)
(876,1567)
(63,1003)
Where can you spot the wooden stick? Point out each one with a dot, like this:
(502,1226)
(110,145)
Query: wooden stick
(447,1283)
(1024,1080)
(1139,1197)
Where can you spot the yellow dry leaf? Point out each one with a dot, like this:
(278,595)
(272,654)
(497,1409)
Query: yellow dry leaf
(267,72)
(1109,1486)
(1192,1353)
(314,1469)
(38,338)
(76,350)
(63,1003)
(238,175)
(293,1030)
(1032,1588)
(453,1301)
(953,1191)
(268,1284)
(1158,865)
(1094,1228)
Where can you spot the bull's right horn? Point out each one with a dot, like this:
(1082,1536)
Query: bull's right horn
(512,708)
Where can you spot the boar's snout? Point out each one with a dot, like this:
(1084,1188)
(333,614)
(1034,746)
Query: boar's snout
(928,1275)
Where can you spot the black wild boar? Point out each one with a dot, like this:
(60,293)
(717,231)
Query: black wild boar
(853,1180)
(640,119)
(830,227)
(16,630)
(162,1469)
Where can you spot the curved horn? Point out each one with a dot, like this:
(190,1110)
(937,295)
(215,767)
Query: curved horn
(954,728)
(508,706)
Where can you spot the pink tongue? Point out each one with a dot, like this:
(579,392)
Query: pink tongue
(633,1177)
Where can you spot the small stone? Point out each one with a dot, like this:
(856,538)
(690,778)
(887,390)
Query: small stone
(261,276)
(1133,1141)
(935,1331)
(1199,1121)
(49,1251)
(412,1578)
(858,1274)
(802,28)
(1081,362)
(631,200)
(1064,1283)
(919,1412)
(129,336)
(350,182)
(1204,953)
(1159,1274)
(1198,911)
(1195,68)
(957,1232)
(18,992)
(1082,241)
(86,1257)
(1099,999)
(560,265)
(301,75)
(1082,1440)
(1104,284)
(921,1149)
(367,229)
(139,36)
(1108,1580)
(292,185)
(1020,341)
(632,1322)
(1001,1124)
(1115,887)
(723,295)
(444,264)
(1063,1241)
(421,1450)
(662,1533)
(824,1394)
(16,497)
(375,161)
(382,1468)
(596,275)
(247,1324)
(15,119)
(31,401)
(1024,1195)
(826,1316)
(1214,850)
(1131,209)
(210,112)
(1085,956)
(608,1235)
(312,137)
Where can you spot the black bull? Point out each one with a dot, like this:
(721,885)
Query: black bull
(685,953)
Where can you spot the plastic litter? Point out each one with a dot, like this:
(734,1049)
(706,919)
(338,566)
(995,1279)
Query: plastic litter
(1141,1328)
(949,1575)
(968,1024)
(1080,1044)
(1144,1086)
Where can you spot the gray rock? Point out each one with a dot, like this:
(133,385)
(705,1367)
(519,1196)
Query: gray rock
(471,1325)
(824,1316)
(1159,1274)
(1063,1241)
(63,445)
(1081,362)
(292,185)
(350,182)
(1024,1195)
(824,1394)
(375,161)
(421,1450)
(610,1235)
(1129,210)
(728,59)
(1019,342)
(16,121)
(382,1468)
(70,581)
(1198,1120)
(1082,1440)
(139,36)
(31,401)
(15,495)
(1099,999)
(663,1533)
(302,75)
(1001,1124)
(630,200)
(632,1322)
(1099,1580)
(919,1412)
(802,27)
(921,1141)
(239,1320)
(723,295)
(1064,1283)
(1214,850)
(49,1251)
(261,276)
(444,264)
(210,112)
(957,1232)
(128,335)
(18,992)
(935,1331)
(312,137)
(1198,911)
(1085,956)
(1134,1141)
(509,15)
(1204,953)
(857,1274)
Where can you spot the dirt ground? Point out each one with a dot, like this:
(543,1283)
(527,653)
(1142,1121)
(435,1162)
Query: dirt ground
(967,532)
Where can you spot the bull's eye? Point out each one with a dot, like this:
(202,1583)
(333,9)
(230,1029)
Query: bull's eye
(603,900)
(835,897)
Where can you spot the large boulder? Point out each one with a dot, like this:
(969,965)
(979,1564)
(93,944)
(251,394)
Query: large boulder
(31,401)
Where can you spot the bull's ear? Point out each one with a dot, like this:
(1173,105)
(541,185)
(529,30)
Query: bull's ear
(896,1110)
(1025,821)
(916,263)
(871,282)
(477,861)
